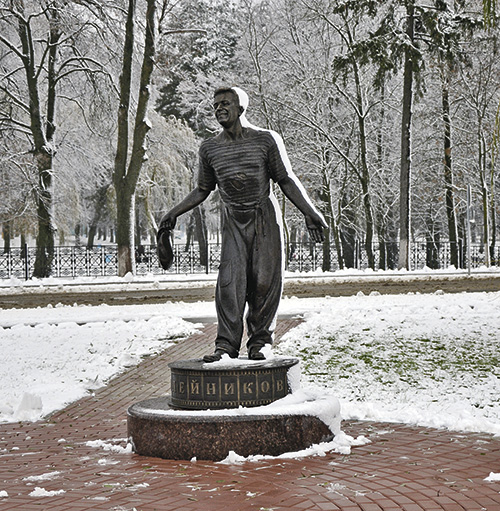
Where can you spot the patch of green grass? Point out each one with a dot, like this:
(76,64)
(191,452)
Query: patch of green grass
(393,357)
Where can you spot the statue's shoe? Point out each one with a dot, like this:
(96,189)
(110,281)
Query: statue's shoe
(217,355)
(256,354)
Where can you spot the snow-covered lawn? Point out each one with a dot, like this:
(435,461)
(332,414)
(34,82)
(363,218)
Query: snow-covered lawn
(431,360)
(420,359)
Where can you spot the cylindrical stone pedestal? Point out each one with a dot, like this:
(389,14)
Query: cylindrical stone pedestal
(155,429)
(219,407)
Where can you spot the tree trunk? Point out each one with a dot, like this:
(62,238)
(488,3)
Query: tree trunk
(348,239)
(484,192)
(43,133)
(24,246)
(125,206)
(201,234)
(493,211)
(78,233)
(381,227)
(486,221)
(493,238)
(369,223)
(138,226)
(6,237)
(124,200)
(348,234)
(365,182)
(327,256)
(91,235)
(333,229)
(125,176)
(405,175)
(189,233)
(382,222)
(382,253)
(391,243)
(338,246)
(432,246)
(46,231)
(100,203)
(364,175)
(448,174)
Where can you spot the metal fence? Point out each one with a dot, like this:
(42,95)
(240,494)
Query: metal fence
(101,261)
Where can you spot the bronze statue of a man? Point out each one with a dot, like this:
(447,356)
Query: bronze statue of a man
(241,160)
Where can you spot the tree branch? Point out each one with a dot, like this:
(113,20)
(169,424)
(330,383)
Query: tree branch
(307,121)
(79,69)
(185,31)
(79,59)
(18,125)
(11,73)
(11,46)
(15,99)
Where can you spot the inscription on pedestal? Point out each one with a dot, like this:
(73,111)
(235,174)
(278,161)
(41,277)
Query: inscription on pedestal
(196,385)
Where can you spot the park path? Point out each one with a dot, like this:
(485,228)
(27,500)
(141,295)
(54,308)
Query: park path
(403,468)
(193,290)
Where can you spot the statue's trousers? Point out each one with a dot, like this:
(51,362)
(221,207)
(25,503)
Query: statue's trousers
(250,273)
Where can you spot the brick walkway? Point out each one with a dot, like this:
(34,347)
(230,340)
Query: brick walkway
(403,468)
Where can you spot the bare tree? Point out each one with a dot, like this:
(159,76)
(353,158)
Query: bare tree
(41,37)
(167,175)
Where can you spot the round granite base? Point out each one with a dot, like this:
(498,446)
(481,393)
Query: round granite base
(156,429)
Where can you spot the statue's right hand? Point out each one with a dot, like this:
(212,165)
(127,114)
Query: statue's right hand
(168,221)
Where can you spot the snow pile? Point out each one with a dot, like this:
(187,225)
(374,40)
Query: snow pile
(84,285)
(42,492)
(29,408)
(227,362)
(313,402)
(34,285)
(43,477)
(86,314)
(492,477)
(54,362)
(112,447)
(341,444)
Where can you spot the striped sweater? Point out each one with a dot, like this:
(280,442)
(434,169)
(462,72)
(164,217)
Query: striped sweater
(241,168)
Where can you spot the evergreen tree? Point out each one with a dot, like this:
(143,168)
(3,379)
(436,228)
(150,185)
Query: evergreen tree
(197,53)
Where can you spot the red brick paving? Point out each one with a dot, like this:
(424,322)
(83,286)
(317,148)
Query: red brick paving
(403,468)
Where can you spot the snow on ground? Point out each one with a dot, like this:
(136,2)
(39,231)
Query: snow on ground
(430,360)
(53,356)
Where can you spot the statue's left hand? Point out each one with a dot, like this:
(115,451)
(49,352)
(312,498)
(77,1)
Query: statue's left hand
(168,221)
(315,225)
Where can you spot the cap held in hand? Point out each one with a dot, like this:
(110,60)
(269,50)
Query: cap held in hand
(164,247)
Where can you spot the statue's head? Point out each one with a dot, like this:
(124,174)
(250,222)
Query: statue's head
(228,106)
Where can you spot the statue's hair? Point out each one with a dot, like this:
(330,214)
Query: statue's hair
(222,90)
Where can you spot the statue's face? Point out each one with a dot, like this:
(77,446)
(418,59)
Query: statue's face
(227,109)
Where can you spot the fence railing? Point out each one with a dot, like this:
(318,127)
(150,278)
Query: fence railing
(101,261)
